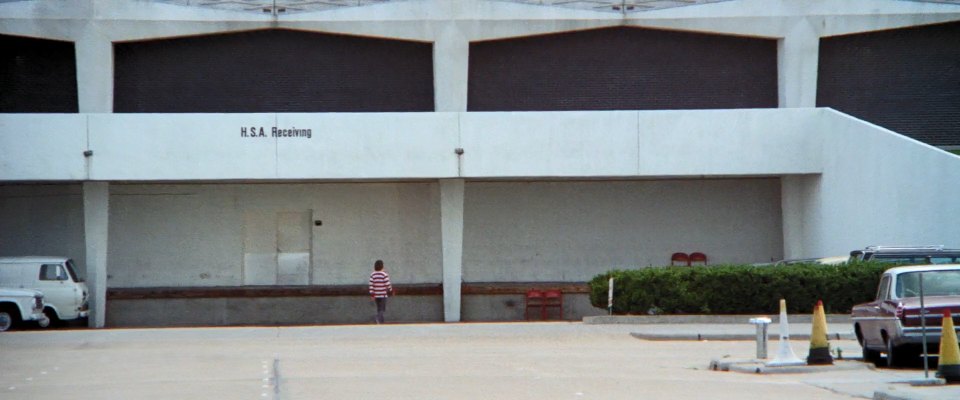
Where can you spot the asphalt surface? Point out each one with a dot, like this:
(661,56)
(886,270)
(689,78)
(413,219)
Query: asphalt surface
(553,360)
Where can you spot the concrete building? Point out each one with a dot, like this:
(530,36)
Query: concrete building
(245,162)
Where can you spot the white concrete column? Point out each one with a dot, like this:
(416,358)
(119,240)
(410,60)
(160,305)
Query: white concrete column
(791,210)
(451,53)
(798,54)
(96,211)
(94,72)
(801,212)
(451,231)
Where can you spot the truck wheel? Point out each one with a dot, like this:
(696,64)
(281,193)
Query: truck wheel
(52,319)
(8,319)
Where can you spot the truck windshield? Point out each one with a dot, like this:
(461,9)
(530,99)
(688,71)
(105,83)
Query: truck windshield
(72,271)
(935,283)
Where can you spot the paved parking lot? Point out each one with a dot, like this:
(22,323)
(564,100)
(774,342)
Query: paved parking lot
(419,361)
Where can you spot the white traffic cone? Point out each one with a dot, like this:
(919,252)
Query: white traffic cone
(785,355)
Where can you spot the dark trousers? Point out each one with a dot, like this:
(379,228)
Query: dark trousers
(381,308)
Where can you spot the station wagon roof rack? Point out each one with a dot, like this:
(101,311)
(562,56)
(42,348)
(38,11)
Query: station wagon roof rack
(938,247)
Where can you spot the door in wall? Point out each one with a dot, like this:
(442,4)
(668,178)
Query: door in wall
(276,247)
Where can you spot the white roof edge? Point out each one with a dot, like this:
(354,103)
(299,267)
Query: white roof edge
(10,260)
(923,267)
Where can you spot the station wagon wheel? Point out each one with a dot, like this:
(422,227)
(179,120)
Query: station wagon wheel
(871,356)
(893,355)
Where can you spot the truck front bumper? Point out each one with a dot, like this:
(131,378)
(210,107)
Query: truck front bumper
(41,319)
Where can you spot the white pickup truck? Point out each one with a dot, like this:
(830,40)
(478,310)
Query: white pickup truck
(18,305)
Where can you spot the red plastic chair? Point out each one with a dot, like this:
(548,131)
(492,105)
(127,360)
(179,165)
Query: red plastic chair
(553,298)
(698,258)
(681,258)
(534,298)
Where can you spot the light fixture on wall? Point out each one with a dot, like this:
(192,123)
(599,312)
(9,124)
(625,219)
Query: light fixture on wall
(623,6)
(274,9)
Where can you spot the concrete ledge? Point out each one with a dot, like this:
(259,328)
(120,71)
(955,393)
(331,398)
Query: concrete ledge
(704,319)
(907,393)
(918,389)
(732,336)
(885,395)
(755,366)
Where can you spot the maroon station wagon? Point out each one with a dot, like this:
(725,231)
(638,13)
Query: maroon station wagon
(891,323)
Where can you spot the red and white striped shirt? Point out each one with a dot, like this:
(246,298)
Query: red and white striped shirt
(380,284)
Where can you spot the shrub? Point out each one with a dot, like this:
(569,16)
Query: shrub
(738,289)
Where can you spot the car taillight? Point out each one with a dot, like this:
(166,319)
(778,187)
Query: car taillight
(899,310)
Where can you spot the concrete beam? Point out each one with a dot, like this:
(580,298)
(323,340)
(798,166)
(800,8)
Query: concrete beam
(451,54)
(96,211)
(798,55)
(94,72)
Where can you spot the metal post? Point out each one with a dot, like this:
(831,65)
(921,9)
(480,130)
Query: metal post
(762,324)
(923,329)
(610,298)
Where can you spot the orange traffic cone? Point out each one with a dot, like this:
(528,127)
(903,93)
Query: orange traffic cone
(949,368)
(819,346)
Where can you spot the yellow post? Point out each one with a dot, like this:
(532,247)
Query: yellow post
(819,345)
(949,366)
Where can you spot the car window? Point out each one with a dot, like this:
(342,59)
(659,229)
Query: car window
(52,272)
(935,283)
(884,290)
(73,271)
(944,260)
(901,259)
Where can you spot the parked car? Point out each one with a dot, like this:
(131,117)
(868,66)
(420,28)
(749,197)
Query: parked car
(835,260)
(908,255)
(65,294)
(18,305)
(890,324)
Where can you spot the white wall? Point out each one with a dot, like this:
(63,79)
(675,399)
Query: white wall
(572,231)
(193,235)
(179,147)
(42,147)
(882,188)
(833,211)
(358,146)
(43,220)
(876,187)
(212,146)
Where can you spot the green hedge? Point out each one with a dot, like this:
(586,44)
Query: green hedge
(738,289)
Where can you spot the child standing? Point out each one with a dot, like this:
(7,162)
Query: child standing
(380,288)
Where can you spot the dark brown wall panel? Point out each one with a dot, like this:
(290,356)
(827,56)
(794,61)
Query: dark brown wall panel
(37,76)
(622,69)
(906,80)
(273,71)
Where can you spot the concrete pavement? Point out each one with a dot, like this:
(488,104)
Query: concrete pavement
(884,384)
(720,327)
(415,361)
